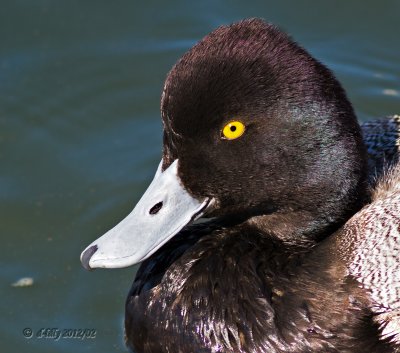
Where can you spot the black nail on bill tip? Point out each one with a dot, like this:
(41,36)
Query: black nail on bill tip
(87,255)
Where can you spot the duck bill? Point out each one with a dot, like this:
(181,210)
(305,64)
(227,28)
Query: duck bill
(164,209)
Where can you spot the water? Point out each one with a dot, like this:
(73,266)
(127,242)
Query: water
(80,134)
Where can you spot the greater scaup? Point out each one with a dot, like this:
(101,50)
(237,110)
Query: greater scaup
(261,138)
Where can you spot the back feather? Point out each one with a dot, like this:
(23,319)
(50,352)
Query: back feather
(370,246)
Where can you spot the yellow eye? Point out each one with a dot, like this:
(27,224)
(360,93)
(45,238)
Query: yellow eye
(233,130)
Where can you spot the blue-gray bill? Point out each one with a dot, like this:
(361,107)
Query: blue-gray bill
(164,209)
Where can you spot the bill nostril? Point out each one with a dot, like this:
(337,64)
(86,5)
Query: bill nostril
(157,207)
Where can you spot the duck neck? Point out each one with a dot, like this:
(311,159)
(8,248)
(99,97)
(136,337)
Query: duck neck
(298,229)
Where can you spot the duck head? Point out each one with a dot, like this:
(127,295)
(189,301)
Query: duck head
(256,132)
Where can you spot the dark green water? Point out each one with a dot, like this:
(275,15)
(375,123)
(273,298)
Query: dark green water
(80,134)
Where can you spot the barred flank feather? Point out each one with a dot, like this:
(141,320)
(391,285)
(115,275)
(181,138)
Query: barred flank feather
(370,244)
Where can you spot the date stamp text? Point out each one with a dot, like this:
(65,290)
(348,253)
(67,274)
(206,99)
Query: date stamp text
(55,333)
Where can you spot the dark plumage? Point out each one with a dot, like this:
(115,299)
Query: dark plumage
(277,269)
(382,138)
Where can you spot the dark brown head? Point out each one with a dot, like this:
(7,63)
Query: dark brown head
(298,170)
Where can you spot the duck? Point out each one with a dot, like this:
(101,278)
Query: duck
(272,221)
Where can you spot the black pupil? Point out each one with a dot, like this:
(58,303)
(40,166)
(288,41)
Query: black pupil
(233,128)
